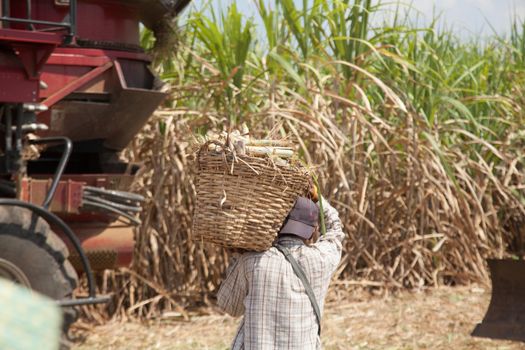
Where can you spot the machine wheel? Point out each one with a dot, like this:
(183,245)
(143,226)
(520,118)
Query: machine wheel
(32,255)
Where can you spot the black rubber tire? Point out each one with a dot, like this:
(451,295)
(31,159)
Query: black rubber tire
(27,241)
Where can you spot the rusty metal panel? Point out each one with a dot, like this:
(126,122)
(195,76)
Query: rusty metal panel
(67,199)
(120,182)
(107,246)
(505,317)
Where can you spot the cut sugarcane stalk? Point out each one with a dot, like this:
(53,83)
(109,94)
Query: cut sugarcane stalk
(281,143)
(283,152)
(278,151)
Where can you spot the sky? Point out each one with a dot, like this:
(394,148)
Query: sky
(469,18)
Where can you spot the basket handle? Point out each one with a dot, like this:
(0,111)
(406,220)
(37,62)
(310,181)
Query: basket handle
(205,147)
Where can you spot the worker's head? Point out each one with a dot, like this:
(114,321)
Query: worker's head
(302,221)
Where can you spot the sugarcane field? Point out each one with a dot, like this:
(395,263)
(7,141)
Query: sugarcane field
(262,174)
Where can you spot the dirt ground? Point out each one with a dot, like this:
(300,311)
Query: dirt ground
(433,319)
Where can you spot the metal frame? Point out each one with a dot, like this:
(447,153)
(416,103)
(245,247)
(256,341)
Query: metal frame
(68,147)
(12,155)
(43,211)
(75,84)
(71,25)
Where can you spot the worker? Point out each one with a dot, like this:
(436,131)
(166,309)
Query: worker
(281,309)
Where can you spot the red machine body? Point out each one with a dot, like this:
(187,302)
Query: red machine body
(75,69)
(97,20)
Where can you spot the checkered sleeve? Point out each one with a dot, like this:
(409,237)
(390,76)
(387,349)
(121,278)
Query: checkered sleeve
(330,244)
(233,290)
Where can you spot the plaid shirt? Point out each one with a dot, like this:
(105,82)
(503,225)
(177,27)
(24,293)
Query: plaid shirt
(263,287)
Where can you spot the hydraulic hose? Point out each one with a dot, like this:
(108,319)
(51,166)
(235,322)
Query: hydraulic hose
(132,219)
(112,204)
(116,194)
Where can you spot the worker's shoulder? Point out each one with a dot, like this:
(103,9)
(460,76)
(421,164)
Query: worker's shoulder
(266,254)
(266,263)
(257,257)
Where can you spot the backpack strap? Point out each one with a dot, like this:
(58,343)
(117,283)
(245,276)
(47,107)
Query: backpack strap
(299,272)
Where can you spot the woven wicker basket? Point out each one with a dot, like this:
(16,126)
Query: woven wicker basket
(243,203)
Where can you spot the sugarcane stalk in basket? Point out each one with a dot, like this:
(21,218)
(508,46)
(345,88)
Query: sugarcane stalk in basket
(277,143)
(283,152)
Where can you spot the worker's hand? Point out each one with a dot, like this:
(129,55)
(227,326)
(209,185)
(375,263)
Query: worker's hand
(314,196)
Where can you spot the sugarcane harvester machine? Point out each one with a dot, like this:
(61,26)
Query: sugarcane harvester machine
(75,88)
